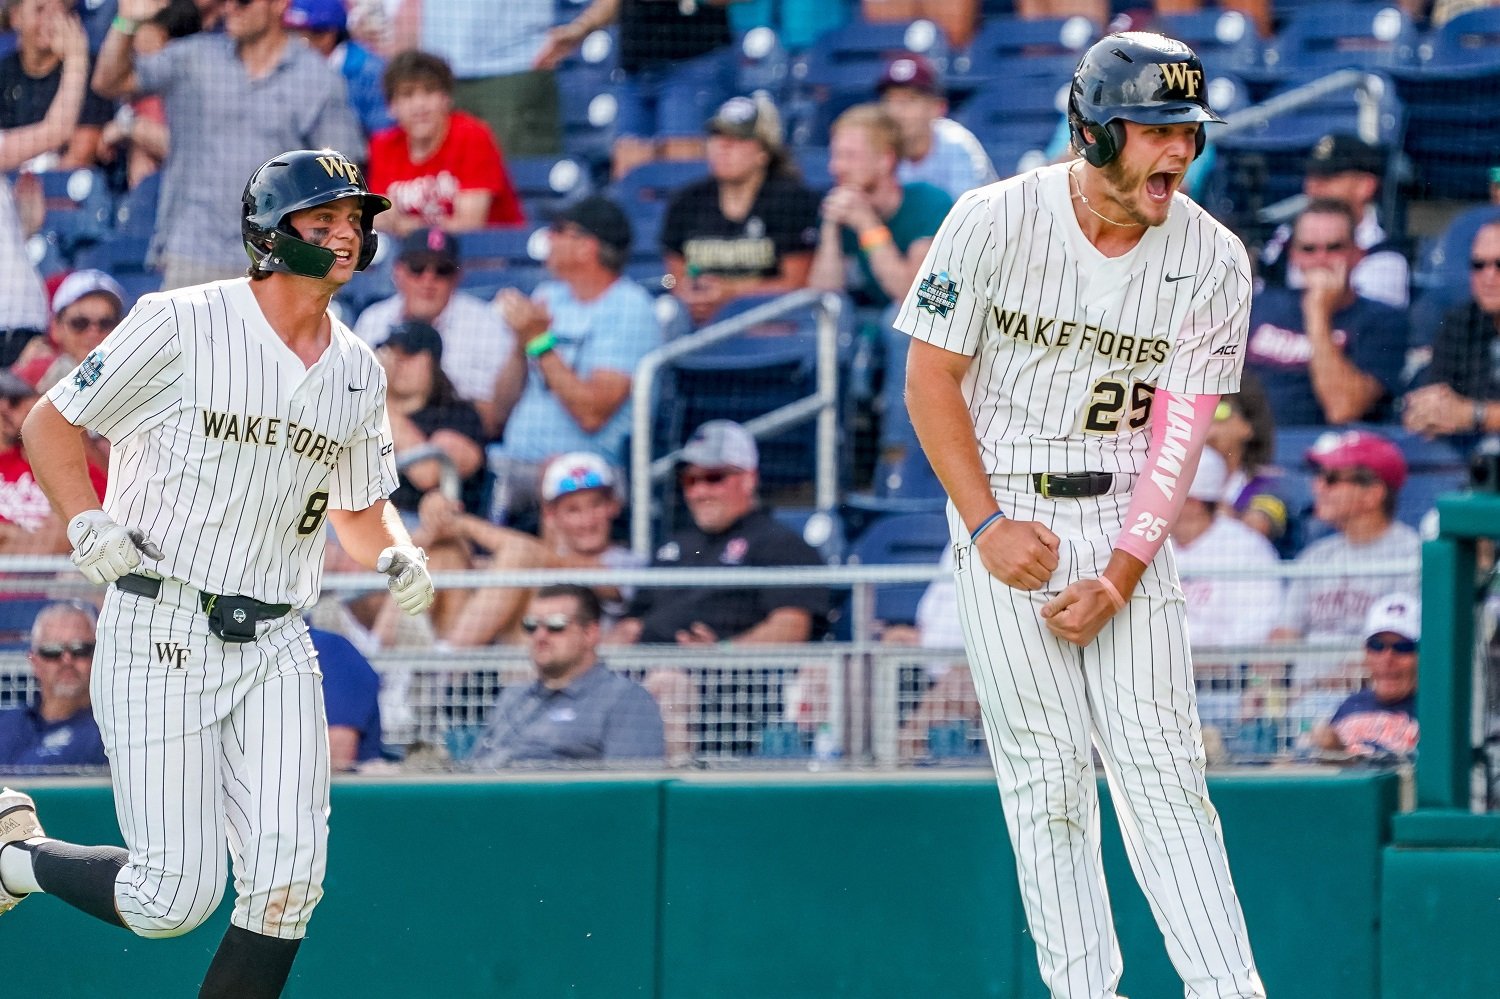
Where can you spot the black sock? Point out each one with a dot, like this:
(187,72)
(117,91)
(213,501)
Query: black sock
(249,966)
(82,876)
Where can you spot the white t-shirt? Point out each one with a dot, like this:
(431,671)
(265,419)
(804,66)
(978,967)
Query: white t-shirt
(23,296)
(477,343)
(1229,611)
(956,161)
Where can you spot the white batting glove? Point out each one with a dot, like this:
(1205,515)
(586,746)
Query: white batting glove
(410,583)
(103,550)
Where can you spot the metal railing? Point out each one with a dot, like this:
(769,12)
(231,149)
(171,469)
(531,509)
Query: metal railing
(821,406)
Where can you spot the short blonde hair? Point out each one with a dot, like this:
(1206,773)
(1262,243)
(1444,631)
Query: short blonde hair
(877,123)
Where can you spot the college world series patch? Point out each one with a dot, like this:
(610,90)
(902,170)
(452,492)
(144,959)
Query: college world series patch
(89,370)
(937,293)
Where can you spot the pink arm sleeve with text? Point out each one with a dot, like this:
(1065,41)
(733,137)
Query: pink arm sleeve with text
(1179,426)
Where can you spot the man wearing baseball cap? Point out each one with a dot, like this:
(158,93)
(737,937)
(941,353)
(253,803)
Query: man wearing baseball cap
(1381,720)
(1359,474)
(749,228)
(324,25)
(580,338)
(934,148)
(86,306)
(1345,168)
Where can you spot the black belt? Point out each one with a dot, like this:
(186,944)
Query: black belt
(149,586)
(1072,485)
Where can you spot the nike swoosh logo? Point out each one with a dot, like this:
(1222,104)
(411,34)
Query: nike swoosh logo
(1179,277)
(356,388)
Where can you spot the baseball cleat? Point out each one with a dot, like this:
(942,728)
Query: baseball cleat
(17,822)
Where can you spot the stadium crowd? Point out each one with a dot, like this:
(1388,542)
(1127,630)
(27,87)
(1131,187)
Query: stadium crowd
(576,184)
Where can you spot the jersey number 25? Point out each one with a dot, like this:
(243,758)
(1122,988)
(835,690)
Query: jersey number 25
(1107,406)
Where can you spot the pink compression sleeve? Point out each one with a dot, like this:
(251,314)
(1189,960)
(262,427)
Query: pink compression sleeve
(1179,426)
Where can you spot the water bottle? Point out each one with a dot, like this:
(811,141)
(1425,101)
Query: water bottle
(825,745)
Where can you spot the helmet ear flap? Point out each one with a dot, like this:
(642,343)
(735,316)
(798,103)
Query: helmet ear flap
(367,247)
(1101,143)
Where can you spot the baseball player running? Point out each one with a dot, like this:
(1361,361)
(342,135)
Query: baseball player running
(241,414)
(1071,337)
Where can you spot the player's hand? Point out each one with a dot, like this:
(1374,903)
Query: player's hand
(410,583)
(104,550)
(1022,554)
(1079,612)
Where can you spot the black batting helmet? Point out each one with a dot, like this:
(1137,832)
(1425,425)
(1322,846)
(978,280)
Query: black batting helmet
(1135,76)
(302,178)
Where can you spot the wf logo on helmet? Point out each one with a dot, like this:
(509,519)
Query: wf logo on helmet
(337,165)
(1182,77)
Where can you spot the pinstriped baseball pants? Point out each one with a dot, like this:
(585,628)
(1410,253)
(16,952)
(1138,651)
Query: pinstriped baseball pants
(211,742)
(1130,693)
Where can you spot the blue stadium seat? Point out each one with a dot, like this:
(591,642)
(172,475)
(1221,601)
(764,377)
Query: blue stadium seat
(812,161)
(1471,37)
(1443,266)
(1336,34)
(500,247)
(135,212)
(1012,48)
(16,615)
(79,207)
(823,530)
(1453,116)
(117,253)
(652,184)
(901,539)
(1422,489)
(1422,455)
(1025,110)
(1224,39)
(546,183)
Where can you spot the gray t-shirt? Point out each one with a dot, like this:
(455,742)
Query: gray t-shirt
(224,125)
(600,717)
(1333,606)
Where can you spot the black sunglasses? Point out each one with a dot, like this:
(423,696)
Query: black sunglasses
(1333,477)
(55,651)
(1405,646)
(712,477)
(78,324)
(441,268)
(554,623)
(1325,247)
(1477,264)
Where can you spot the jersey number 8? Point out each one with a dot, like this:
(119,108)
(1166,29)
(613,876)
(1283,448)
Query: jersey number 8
(1107,406)
(312,514)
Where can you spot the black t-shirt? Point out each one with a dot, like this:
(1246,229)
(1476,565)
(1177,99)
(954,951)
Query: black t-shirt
(756,539)
(657,31)
(783,219)
(24,100)
(459,416)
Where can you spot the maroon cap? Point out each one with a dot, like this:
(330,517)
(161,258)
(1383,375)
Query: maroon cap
(910,70)
(1360,449)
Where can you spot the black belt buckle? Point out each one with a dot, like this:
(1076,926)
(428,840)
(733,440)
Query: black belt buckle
(141,586)
(1073,485)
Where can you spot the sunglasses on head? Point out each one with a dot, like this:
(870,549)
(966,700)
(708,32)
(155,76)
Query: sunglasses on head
(554,623)
(1325,247)
(574,483)
(1404,646)
(1478,264)
(54,651)
(710,477)
(441,268)
(79,324)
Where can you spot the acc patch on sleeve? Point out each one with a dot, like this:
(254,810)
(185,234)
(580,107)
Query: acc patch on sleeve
(89,370)
(937,293)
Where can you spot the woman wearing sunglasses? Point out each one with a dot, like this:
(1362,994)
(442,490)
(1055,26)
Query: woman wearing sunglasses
(1381,719)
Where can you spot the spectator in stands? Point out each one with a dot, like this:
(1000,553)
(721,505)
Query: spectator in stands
(58,729)
(1244,435)
(493,49)
(677,61)
(439,167)
(1206,537)
(577,710)
(23,296)
(1461,386)
(86,306)
(719,478)
(1381,720)
(479,353)
(580,337)
(31,76)
(324,25)
(1359,475)
(28,525)
(749,228)
(232,100)
(1347,169)
(426,412)
(351,698)
(580,504)
(934,148)
(138,131)
(1325,354)
(875,230)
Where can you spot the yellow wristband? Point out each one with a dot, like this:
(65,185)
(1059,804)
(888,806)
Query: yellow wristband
(875,237)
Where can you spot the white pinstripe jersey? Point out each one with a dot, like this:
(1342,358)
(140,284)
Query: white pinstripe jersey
(225,449)
(1068,345)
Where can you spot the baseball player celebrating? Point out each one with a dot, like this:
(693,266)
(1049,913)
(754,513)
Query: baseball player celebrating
(1071,337)
(241,414)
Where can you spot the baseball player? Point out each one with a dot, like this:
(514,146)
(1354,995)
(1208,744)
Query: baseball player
(1072,331)
(241,415)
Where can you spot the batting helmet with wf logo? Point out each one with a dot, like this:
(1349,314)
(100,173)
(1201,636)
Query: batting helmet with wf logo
(1135,76)
(302,178)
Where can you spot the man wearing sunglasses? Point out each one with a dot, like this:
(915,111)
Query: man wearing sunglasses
(1461,385)
(1324,352)
(85,308)
(57,729)
(577,711)
(1380,720)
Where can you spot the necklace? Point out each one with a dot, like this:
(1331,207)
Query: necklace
(1078,188)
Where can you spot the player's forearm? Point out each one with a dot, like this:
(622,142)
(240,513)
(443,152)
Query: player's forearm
(935,401)
(63,474)
(364,534)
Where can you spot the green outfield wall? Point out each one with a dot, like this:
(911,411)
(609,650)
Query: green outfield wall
(780,887)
